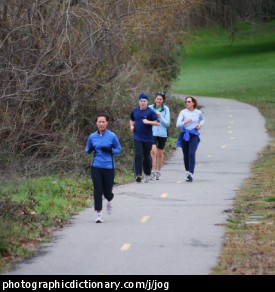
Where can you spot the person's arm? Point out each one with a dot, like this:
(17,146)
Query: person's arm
(89,146)
(132,126)
(132,121)
(201,121)
(180,121)
(152,119)
(153,123)
(116,146)
(166,119)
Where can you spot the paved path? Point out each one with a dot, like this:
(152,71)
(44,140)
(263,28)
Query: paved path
(167,226)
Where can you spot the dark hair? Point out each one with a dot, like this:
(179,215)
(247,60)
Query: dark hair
(194,100)
(102,115)
(160,93)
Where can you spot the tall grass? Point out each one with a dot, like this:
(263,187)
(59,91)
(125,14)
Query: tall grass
(243,68)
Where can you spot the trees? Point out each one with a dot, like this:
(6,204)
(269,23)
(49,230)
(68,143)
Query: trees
(228,12)
(63,61)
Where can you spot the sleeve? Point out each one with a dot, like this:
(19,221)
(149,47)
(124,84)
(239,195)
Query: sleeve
(180,120)
(132,116)
(201,119)
(116,145)
(88,145)
(166,119)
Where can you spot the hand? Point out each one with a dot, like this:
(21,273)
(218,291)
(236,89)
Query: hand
(91,148)
(107,149)
(198,127)
(145,121)
(188,121)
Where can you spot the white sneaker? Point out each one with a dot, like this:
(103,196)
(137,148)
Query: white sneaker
(189,177)
(99,218)
(109,208)
(146,178)
(186,175)
(152,176)
(158,175)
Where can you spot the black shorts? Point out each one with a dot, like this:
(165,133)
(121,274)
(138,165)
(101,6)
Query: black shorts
(159,142)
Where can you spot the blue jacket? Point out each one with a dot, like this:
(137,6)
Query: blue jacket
(107,139)
(185,135)
(164,119)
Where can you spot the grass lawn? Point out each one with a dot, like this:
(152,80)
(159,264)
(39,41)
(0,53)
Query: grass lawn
(244,69)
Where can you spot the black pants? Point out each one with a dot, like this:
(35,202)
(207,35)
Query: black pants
(143,157)
(103,180)
(189,149)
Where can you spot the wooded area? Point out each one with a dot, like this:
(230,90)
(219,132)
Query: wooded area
(61,62)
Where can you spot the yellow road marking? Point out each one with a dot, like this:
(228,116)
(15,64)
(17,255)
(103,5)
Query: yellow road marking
(164,195)
(125,246)
(144,219)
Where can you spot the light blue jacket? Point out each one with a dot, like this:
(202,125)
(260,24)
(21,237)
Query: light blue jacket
(164,119)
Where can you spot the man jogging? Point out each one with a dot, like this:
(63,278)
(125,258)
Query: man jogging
(142,119)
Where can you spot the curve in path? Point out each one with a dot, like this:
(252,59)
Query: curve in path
(167,226)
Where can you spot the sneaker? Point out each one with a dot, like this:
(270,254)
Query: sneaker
(152,176)
(138,179)
(186,175)
(189,178)
(109,208)
(147,178)
(99,218)
(158,175)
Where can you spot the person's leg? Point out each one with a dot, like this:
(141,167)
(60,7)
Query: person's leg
(97,178)
(160,152)
(185,151)
(154,157)
(98,190)
(193,145)
(138,158)
(108,179)
(147,160)
(160,159)
(109,175)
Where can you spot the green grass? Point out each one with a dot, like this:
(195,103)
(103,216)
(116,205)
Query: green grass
(244,70)
(31,209)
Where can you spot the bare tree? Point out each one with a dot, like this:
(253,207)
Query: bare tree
(63,61)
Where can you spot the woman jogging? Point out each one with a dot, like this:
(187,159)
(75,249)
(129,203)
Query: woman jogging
(190,120)
(104,144)
(160,134)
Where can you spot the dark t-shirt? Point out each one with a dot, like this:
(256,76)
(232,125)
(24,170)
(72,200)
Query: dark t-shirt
(143,132)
